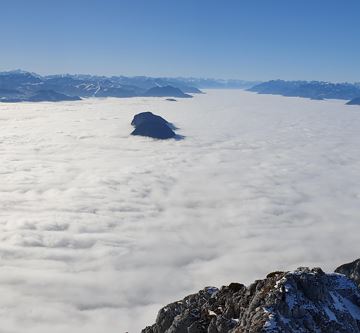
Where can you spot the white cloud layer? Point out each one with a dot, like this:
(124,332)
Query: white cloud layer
(99,229)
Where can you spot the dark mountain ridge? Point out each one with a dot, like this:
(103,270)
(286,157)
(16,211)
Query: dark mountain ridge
(166,91)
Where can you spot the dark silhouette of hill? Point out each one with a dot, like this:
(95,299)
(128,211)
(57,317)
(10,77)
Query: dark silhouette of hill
(151,125)
(355,101)
(167,91)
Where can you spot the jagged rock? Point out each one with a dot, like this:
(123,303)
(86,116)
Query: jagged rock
(351,270)
(151,125)
(305,300)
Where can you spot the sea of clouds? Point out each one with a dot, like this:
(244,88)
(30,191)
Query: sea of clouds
(99,229)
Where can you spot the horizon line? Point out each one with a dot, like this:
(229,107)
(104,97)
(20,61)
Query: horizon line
(19,70)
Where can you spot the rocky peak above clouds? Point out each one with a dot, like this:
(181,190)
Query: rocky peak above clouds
(351,270)
(304,300)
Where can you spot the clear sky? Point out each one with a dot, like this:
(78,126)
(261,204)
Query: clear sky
(245,39)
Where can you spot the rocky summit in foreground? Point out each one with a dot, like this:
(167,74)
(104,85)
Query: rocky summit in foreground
(304,300)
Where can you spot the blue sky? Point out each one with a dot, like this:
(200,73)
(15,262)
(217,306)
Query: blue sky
(245,39)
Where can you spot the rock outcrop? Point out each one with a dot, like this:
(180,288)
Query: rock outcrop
(151,125)
(304,300)
(351,270)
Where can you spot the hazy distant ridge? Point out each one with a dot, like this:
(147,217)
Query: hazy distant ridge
(309,89)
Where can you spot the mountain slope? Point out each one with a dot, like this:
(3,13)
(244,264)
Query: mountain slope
(51,96)
(167,91)
(303,301)
(354,101)
(351,270)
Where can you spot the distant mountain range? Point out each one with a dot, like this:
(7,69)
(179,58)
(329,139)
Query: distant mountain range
(309,89)
(17,86)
